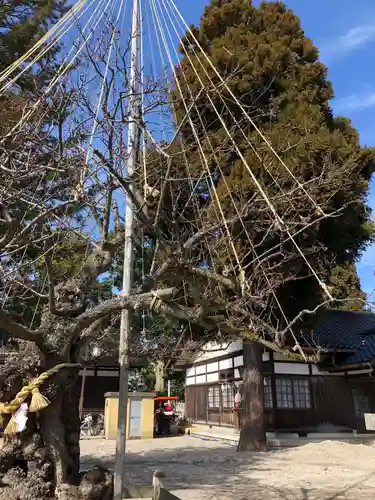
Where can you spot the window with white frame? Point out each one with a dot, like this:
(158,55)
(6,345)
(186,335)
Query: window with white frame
(214,397)
(227,391)
(268,400)
(301,392)
(293,393)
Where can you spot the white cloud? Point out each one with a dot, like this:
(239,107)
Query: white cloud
(355,102)
(354,39)
(357,36)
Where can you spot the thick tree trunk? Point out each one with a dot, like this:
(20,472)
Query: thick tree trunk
(48,450)
(60,428)
(253,434)
(53,435)
(72,423)
(43,461)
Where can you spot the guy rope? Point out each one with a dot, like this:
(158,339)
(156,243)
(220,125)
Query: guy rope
(38,401)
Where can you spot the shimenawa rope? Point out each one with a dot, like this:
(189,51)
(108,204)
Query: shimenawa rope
(38,401)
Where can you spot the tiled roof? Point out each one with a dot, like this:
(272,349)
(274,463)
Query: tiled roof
(348,330)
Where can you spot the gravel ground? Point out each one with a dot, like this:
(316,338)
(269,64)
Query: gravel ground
(201,470)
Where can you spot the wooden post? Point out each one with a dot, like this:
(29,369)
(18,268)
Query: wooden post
(273,391)
(157,483)
(159,492)
(125,326)
(82,395)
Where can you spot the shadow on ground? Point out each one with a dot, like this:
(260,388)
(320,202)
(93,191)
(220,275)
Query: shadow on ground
(199,472)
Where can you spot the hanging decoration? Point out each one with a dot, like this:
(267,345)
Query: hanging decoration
(18,408)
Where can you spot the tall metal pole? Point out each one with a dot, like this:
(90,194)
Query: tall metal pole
(128,264)
(82,395)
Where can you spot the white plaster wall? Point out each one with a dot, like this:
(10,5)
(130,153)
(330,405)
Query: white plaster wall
(315,371)
(283,365)
(200,379)
(238,361)
(285,361)
(190,381)
(291,368)
(214,350)
(196,374)
(279,357)
(200,369)
(89,373)
(212,377)
(108,373)
(224,364)
(213,367)
(360,372)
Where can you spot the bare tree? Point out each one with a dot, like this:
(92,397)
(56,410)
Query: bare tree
(63,189)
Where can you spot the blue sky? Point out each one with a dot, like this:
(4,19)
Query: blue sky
(344,32)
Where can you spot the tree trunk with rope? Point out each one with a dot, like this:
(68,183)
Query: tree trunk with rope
(62,230)
(253,433)
(43,461)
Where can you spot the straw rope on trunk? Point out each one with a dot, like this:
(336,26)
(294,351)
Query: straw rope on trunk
(38,401)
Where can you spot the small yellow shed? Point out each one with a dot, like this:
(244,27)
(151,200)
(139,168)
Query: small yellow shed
(140,415)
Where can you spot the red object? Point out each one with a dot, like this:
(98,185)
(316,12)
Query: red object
(167,398)
(168,407)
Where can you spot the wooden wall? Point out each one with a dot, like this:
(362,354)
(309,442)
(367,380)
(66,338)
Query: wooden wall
(363,391)
(196,407)
(332,402)
(196,403)
(95,388)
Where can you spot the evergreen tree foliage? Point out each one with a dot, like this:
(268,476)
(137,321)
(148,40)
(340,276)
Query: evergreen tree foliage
(22,25)
(273,70)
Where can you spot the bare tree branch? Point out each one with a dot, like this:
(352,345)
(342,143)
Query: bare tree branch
(19,331)
(51,284)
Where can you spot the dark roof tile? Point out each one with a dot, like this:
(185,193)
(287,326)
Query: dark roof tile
(348,330)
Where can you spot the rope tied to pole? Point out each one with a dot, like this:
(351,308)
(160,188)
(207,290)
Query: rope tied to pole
(38,401)
(156,303)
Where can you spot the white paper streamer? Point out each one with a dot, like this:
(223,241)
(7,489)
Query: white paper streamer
(20,417)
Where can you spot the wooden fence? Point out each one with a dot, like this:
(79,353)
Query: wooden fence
(159,490)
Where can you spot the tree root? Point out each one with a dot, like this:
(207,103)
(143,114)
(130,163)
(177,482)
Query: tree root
(16,484)
(42,463)
(96,484)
